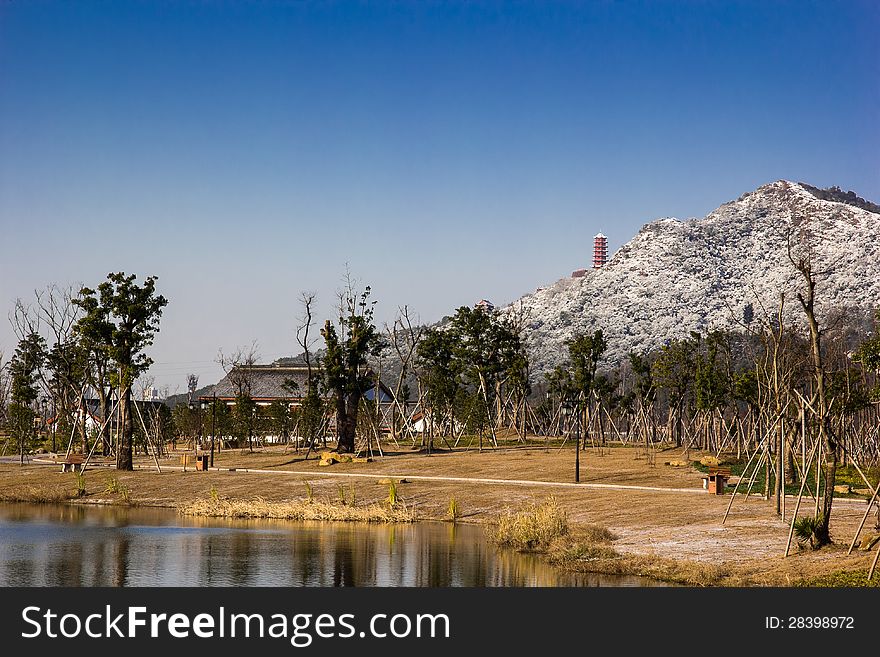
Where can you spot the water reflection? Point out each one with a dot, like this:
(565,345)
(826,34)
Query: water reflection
(112,546)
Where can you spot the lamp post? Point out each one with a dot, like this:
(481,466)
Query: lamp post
(203,404)
(550,414)
(213,417)
(568,408)
(577,449)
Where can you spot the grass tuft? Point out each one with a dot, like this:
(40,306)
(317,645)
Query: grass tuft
(532,529)
(80,481)
(453,513)
(297,510)
(805,531)
(393,496)
(117,487)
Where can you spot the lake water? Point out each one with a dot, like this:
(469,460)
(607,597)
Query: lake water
(76,545)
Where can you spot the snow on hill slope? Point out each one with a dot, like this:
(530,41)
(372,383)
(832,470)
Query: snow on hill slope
(676,276)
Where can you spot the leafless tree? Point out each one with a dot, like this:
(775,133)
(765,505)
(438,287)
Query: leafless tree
(192,384)
(4,390)
(144,385)
(303,339)
(238,367)
(404,336)
(804,263)
(239,371)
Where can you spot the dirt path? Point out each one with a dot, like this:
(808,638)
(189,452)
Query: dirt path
(467,480)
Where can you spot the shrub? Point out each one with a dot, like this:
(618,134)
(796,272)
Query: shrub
(393,497)
(454,510)
(80,480)
(805,531)
(533,528)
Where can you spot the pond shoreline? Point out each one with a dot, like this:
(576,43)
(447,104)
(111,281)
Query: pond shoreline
(117,545)
(662,534)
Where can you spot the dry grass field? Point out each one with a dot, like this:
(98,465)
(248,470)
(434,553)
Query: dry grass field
(664,523)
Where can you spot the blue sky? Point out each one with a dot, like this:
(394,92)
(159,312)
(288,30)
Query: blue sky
(245,151)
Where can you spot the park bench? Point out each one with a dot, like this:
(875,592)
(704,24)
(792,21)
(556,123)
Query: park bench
(716,480)
(72,463)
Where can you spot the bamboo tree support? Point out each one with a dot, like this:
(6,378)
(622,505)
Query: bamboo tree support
(375,430)
(492,434)
(874,563)
(761,462)
(736,488)
(80,416)
(858,469)
(803,435)
(864,518)
(97,438)
(797,505)
(147,437)
(72,434)
(818,473)
(781,474)
(294,432)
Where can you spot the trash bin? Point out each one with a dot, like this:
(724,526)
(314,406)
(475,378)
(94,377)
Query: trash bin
(718,480)
(202,462)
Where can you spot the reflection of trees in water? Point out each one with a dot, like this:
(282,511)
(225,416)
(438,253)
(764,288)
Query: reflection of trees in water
(89,547)
(242,558)
(305,559)
(343,564)
(208,561)
(98,565)
(19,572)
(121,556)
(65,565)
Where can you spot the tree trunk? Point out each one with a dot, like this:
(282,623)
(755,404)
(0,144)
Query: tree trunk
(82,428)
(791,476)
(124,459)
(678,425)
(346,420)
(825,434)
(105,423)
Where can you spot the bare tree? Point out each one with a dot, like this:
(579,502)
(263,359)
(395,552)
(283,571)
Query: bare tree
(804,264)
(192,384)
(4,390)
(65,372)
(144,386)
(304,329)
(311,413)
(25,319)
(240,373)
(404,336)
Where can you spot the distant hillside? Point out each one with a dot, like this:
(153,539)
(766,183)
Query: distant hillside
(183,398)
(677,276)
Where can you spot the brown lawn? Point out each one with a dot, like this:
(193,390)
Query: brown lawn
(681,526)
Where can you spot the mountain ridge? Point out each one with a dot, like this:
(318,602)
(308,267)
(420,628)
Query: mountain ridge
(677,276)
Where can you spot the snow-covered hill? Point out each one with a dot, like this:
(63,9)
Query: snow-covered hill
(676,276)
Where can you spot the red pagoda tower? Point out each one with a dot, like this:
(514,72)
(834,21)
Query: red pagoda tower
(600,251)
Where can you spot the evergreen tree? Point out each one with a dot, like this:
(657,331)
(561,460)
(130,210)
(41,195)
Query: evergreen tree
(674,372)
(24,370)
(121,320)
(346,358)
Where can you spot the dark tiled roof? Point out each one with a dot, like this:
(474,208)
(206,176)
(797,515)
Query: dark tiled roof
(273,382)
